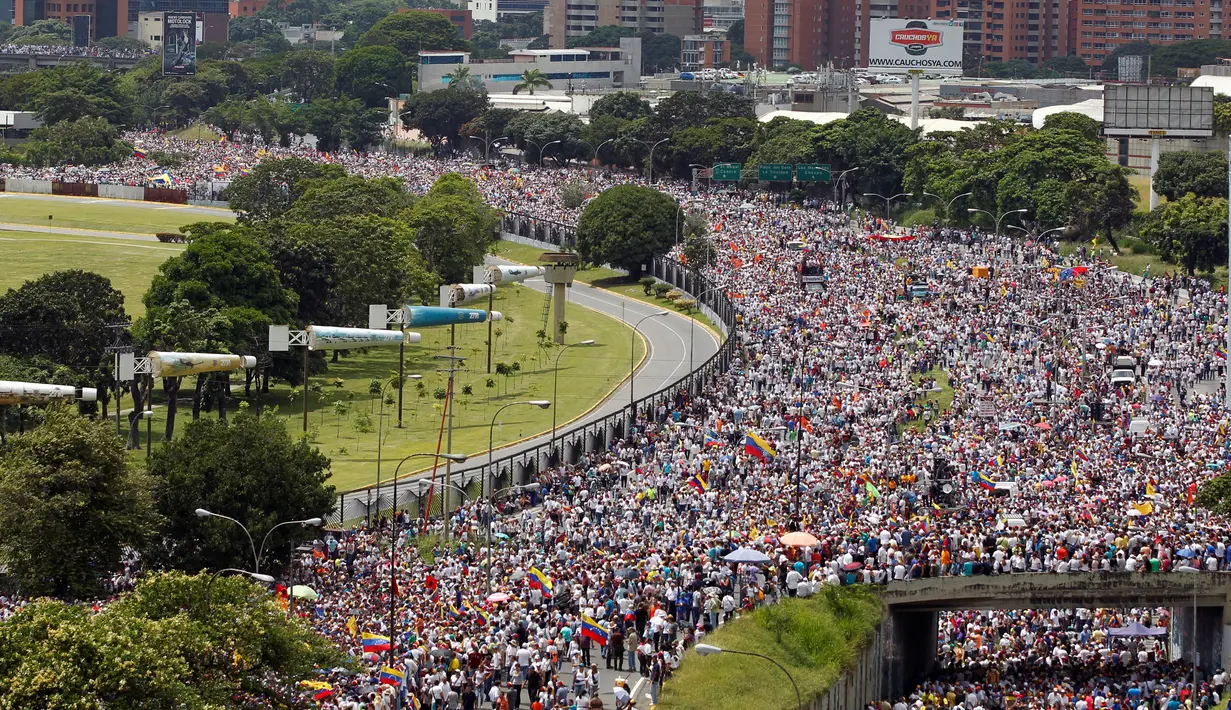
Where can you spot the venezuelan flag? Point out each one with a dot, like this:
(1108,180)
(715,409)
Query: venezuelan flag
(374,643)
(593,630)
(996,461)
(391,676)
(699,483)
(452,612)
(538,580)
(712,439)
(988,337)
(756,446)
(983,480)
(139,154)
(483,618)
(1221,352)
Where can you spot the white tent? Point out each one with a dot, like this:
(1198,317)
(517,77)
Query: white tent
(1220,84)
(1090,107)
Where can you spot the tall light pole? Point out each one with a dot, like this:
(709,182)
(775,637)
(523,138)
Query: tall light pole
(705,649)
(691,322)
(380,437)
(972,210)
(393,543)
(490,513)
(555,388)
(544,150)
(632,366)
(600,147)
(491,473)
(487,144)
(1035,236)
(652,147)
(950,202)
(258,555)
(888,199)
(841,181)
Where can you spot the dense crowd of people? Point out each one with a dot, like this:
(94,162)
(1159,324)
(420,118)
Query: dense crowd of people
(66,50)
(944,398)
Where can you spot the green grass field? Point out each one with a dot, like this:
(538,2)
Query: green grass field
(343,416)
(1141,183)
(942,399)
(130,264)
(600,277)
(100,214)
(813,638)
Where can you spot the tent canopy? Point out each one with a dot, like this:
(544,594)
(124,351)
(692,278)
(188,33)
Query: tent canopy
(1136,629)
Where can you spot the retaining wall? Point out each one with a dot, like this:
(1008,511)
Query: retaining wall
(171,195)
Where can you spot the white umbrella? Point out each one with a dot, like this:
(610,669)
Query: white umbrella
(748,555)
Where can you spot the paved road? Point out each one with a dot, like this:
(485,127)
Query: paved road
(666,362)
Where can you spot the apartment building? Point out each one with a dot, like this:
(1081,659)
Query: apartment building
(804,33)
(704,51)
(1096,28)
(576,18)
(721,14)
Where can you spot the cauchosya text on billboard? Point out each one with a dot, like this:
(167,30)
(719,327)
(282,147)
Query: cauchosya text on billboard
(898,46)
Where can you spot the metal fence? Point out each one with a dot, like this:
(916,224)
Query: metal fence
(570,445)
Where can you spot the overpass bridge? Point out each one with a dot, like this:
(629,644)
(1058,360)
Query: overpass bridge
(15,63)
(912,608)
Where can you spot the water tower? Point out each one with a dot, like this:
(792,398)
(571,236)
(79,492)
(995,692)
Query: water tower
(559,269)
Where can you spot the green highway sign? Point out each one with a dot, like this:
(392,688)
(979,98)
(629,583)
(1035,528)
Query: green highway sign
(774,172)
(814,173)
(726,171)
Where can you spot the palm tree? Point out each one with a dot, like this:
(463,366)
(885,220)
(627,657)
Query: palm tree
(532,79)
(461,77)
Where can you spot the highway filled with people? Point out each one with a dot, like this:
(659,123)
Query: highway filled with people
(938,402)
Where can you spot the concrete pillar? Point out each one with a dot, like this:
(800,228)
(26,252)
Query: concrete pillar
(560,269)
(1210,643)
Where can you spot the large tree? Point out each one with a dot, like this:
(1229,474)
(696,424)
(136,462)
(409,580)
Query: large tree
(65,316)
(249,469)
(72,505)
(175,641)
(412,32)
(1191,231)
(627,226)
(627,105)
(372,74)
(455,227)
(274,185)
(1182,172)
(440,115)
(85,141)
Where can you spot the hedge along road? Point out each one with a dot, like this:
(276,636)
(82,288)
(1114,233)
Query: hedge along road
(666,362)
(666,338)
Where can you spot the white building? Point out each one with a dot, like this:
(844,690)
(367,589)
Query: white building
(482,10)
(580,69)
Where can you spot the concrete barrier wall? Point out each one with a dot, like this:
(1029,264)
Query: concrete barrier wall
(860,685)
(122,192)
(36,187)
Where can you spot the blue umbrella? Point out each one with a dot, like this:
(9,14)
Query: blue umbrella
(1185,553)
(748,555)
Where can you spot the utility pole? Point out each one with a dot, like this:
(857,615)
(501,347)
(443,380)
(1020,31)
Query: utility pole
(115,349)
(456,364)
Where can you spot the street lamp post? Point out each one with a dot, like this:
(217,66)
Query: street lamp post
(950,202)
(258,555)
(544,150)
(972,210)
(555,388)
(491,437)
(840,181)
(393,542)
(888,199)
(487,144)
(600,147)
(632,366)
(490,513)
(705,649)
(1035,236)
(380,438)
(652,147)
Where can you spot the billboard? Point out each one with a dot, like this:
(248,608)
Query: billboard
(35,393)
(1176,111)
(179,44)
(327,337)
(181,364)
(1131,68)
(435,315)
(81,30)
(902,46)
(508,274)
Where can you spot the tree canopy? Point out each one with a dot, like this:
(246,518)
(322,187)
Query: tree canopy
(1182,172)
(627,226)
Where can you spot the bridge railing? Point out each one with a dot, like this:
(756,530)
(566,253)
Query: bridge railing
(571,444)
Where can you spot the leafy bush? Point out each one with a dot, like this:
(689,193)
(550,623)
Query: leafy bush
(647,283)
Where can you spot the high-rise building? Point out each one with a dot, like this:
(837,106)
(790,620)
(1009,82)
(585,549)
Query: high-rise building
(1097,28)
(721,14)
(576,18)
(107,18)
(805,33)
(704,51)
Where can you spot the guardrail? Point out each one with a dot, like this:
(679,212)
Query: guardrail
(572,444)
